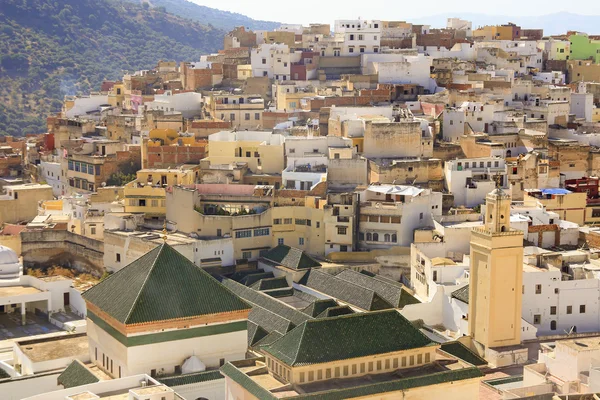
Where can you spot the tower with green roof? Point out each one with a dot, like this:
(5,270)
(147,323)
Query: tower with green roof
(160,310)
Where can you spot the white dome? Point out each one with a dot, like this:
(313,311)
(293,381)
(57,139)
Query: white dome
(9,263)
(8,256)
(193,364)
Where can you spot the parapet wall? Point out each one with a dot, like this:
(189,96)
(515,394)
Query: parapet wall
(42,249)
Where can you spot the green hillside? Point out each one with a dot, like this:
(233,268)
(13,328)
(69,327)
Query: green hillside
(49,49)
(217,18)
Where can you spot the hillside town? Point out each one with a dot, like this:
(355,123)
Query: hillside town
(374,210)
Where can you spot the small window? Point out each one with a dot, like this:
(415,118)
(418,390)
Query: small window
(118,257)
(537,319)
(280,241)
(582,309)
(553,310)
(569,309)
(538,289)
(342,230)
(301,241)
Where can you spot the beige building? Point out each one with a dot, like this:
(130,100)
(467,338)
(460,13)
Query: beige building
(243,111)
(224,211)
(301,226)
(531,171)
(496,277)
(568,205)
(147,194)
(20,202)
(262,151)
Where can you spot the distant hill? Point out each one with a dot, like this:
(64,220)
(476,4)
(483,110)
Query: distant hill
(206,15)
(552,24)
(51,48)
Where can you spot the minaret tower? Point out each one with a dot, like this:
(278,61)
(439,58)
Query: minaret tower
(496,276)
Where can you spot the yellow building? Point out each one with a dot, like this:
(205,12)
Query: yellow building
(116,96)
(262,151)
(20,202)
(301,226)
(147,194)
(338,358)
(496,277)
(568,205)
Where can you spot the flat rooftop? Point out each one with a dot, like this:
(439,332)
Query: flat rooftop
(55,348)
(13,291)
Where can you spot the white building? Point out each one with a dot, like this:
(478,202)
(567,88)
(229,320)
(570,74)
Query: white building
(51,172)
(561,291)
(273,60)
(470,180)
(358,36)
(582,105)
(189,104)
(83,106)
(400,68)
(477,115)
(389,214)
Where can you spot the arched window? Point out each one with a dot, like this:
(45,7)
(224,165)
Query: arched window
(387,237)
(369,236)
(552,325)
(376,237)
(394,238)
(509,153)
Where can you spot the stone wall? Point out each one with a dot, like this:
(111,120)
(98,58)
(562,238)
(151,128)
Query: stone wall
(42,249)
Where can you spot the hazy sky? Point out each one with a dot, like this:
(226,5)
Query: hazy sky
(329,10)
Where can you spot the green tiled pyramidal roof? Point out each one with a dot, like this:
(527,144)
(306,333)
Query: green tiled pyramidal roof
(291,257)
(76,374)
(317,307)
(159,286)
(271,283)
(345,337)
(461,351)
(390,291)
(343,290)
(335,312)
(462,294)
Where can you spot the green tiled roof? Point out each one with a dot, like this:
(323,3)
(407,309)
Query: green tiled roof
(305,296)
(349,336)
(255,333)
(345,291)
(76,374)
(4,374)
(267,302)
(357,391)
(162,285)
(291,257)
(462,294)
(390,291)
(271,283)
(335,312)
(251,279)
(269,339)
(189,379)
(269,321)
(461,351)
(318,306)
(284,292)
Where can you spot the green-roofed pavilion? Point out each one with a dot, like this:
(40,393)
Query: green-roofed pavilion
(349,336)
(161,285)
